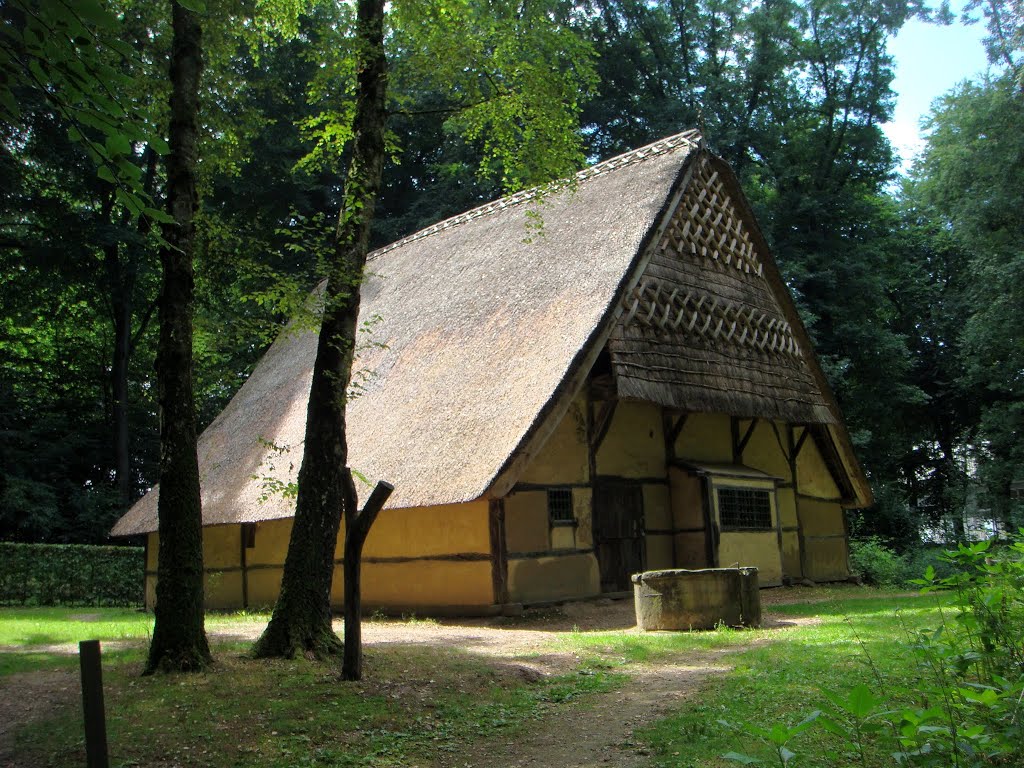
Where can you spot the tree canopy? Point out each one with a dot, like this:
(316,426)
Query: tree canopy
(910,287)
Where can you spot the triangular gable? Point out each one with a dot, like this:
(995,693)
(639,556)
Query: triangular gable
(704,329)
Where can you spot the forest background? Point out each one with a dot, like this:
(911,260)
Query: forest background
(912,286)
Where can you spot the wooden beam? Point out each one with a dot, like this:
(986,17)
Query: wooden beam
(796,447)
(745,439)
(602,423)
(499,550)
(243,541)
(672,430)
(794,450)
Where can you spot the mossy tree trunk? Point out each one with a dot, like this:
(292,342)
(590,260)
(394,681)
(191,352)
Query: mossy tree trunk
(302,616)
(179,638)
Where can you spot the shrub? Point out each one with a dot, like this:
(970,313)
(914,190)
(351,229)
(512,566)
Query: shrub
(70,574)
(968,699)
(875,563)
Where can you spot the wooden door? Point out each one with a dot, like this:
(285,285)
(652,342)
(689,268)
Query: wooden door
(619,533)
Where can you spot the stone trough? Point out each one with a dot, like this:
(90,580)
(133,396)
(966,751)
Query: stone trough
(699,599)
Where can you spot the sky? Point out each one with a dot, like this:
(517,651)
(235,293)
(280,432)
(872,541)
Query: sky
(930,60)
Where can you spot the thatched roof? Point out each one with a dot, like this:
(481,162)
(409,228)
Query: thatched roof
(483,330)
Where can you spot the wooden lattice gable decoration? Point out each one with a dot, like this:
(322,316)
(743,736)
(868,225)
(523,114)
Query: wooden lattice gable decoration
(703,328)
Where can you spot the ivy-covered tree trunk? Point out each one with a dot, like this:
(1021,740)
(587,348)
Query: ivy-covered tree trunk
(302,616)
(179,638)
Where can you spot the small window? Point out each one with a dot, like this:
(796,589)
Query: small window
(749,508)
(249,535)
(560,506)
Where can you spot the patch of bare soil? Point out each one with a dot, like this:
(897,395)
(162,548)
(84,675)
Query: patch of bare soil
(31,696)
(595,731)
(598,731)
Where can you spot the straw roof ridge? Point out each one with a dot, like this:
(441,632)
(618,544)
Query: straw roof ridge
(691,138)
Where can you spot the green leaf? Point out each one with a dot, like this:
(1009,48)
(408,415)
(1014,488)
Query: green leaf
(159,145)
(94,13)
(118,144)
(861,702)
(196,6)
(106,174)
(157,215)
(833,726)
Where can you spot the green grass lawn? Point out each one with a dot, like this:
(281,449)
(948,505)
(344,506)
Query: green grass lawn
(418,704)
(32,639)
(784,680)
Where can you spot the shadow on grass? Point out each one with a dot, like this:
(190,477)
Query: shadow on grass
(421,702)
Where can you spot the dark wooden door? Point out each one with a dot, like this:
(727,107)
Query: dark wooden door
(619,533)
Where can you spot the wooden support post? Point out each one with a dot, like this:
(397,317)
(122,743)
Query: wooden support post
(795,444)
(499,550)
(92,704)
(357,527)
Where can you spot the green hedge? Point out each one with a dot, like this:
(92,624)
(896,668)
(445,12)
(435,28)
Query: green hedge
(70,574)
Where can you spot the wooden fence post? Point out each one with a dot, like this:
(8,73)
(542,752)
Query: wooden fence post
(92,704)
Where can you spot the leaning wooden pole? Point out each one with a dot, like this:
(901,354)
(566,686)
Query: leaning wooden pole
(357,527)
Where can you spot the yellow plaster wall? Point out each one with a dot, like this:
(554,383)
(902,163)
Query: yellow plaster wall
(660,552)
(760,549)
(813,477)
(826,559)
(553,578)
(657,510)
(152,551)
(763,451)
(526,521)
(264,585)
(791,554)
(222,547)
(785,501)
(563,458)
(658,517)
(563,537)
(420,583)
(691,550)
(271,543)
(821,518)
(687,494)
(634,445)
(427,531)
(426,583)
(705,437)
(222,590)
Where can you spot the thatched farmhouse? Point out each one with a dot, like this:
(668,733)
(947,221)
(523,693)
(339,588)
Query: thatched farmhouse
(630,389)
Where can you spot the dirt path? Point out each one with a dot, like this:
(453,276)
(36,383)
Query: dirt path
(598,730)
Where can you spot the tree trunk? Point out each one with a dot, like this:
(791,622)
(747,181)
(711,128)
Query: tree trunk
(179,638)
(120,296)
(302,615)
